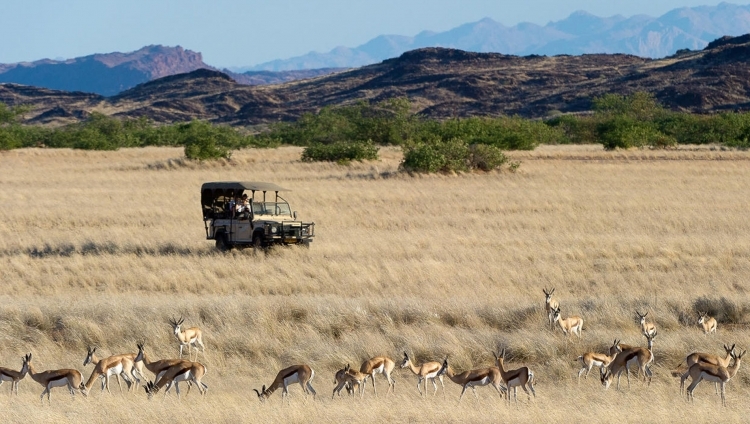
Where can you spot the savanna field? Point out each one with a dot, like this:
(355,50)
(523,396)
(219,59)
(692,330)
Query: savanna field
(103,248)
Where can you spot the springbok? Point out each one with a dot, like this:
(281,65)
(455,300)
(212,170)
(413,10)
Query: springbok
(159,368)
(7,374)
(190,337)
(514,378)
(706,359)
(115,365)
(183,371)
(593,359)
(647,328)
(349,378)
(573,324)
(424,372)
(56,378)
(708,323)
(473,378)
(717,374)
(642,356)
(550,305)
(301,374)
(380,365)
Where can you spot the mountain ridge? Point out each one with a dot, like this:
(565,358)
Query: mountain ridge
(440,84)
(579,33)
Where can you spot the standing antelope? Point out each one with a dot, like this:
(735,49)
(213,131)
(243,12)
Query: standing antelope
(56,378)
(301,374)
(182,371)
(593,359)
(115,365)
(550,305)
(705,359)
(473,378)
(13,376)
(717,374)
(424,372)
(573,324)
(708,323)
(350,378)
(514,378)
(192,336)
(380,365)
(642,356)
(646,328)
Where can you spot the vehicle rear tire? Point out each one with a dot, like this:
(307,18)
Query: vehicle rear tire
(222,242)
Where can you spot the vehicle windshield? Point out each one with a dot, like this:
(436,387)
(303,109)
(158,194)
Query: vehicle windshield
(271,208)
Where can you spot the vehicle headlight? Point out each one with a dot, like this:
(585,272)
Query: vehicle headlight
(274,230)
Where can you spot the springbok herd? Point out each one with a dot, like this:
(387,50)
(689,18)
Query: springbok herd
(619,358)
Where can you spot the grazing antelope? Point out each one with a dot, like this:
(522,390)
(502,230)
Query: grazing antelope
(706,359)
(636,355)
(514,378)
(115,365)
(56,378)
(424,372)
(473,378)
(13,376)
(568,325)
(340,376)
(593,359)
(192,336)
(158,368)
(647,328)
(349,378)
(380,365)
(301,374)
(717,374)
(708,323)
(550,305)
(183,371)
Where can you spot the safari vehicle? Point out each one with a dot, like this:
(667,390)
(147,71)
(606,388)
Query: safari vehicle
(263,220)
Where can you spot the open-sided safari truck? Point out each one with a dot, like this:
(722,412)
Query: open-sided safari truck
(258,220)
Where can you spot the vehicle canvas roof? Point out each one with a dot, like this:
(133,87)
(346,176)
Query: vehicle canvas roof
(242,185)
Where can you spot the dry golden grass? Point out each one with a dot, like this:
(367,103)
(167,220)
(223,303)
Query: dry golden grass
(101,248)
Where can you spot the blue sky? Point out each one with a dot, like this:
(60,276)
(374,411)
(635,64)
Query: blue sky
(242,33)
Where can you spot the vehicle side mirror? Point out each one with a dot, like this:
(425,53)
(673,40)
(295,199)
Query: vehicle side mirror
(295,215)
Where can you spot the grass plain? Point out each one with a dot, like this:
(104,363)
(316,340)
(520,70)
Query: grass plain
(101,248)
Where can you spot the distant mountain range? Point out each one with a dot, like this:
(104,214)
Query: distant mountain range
(440,83)
(686,28)
(580,33)
(111,73)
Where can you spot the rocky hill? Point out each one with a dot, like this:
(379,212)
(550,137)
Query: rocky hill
(105,74)
(439,82)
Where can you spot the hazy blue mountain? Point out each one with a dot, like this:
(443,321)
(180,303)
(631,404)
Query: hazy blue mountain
(581,32)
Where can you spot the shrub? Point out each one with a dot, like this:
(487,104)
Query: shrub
(575,129)
(437,156)
(486,158)
(340,152)
(202,141)
(625,132)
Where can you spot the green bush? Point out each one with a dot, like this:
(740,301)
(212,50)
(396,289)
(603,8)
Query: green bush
(575,129)
(204,141)
(437,156)
(624,132)
(486,158)
(340,152)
